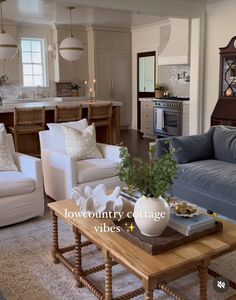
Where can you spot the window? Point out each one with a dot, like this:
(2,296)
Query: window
(33,62)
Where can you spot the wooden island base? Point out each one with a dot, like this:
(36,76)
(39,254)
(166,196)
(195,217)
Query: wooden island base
(30,143)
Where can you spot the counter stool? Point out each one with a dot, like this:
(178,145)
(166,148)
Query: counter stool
(28,121)
(68,113)
(100,115)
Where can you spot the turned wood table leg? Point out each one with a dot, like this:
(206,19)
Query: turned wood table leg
(148,295)
(203,275)
(55,245)
(78,257)
(108,276)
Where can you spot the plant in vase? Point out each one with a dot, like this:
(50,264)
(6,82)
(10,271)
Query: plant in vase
(152,179)
(159,90)
(75,89)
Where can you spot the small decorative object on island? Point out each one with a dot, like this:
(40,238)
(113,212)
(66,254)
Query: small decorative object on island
(159,90)
(97,199)
(152,180)
(3,79)
(75,89)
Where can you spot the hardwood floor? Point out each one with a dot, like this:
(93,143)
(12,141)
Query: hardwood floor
(137,145)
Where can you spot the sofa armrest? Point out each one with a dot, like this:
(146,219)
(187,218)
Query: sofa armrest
(110,152)
(30,166)
(59,173)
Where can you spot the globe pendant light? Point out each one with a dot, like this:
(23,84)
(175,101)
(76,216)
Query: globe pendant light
(8,46)
(71,48)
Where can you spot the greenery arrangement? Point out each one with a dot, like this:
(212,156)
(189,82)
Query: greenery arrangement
(151,179)
(160,87)
(3,79)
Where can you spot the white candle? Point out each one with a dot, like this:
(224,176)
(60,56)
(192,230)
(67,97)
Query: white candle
(94,87)
(85,87)
(91,93)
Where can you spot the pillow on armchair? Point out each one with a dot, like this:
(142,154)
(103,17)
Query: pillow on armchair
(6,160)
(81,144)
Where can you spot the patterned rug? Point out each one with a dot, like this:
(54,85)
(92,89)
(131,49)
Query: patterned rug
(28,273)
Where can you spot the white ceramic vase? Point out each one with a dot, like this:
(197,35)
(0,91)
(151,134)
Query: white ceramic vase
(151,215)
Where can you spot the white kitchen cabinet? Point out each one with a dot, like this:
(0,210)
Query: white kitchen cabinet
(10,68)
(112,60)
(66,71)
(147,118)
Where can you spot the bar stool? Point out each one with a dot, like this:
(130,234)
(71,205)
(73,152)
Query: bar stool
(100,115)
(68,113)
(28,121)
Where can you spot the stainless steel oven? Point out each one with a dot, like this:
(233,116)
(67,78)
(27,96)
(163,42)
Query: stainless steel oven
(168,117)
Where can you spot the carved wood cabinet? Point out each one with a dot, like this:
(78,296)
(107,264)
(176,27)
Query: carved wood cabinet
(225,110)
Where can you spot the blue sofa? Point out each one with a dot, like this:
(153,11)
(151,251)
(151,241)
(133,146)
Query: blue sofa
(207,168)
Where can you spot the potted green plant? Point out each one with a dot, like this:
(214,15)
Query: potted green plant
(152,179)
(159,90)
(75,89)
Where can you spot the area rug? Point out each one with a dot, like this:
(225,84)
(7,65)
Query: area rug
(28,273)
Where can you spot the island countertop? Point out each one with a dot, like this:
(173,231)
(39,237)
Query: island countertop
(8,105)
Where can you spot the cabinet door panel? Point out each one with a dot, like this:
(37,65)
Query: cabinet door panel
(103,74)
(120,65)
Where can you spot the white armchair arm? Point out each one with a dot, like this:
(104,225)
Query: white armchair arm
(59,172)
(30,166)
(110,152)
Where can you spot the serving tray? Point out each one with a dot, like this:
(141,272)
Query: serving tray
(168,240)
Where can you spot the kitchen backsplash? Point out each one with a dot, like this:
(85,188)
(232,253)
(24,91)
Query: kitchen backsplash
(168,75)
(14,90)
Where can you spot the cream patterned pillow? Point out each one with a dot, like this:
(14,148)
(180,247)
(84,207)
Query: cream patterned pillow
(81,144)
(6,160)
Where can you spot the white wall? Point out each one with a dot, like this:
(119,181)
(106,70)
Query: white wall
(220,28)
(144,39)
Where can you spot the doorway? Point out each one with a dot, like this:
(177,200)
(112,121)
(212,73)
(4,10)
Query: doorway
(146,78)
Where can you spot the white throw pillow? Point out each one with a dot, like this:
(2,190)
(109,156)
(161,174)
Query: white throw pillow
(81,144)
(57,133)
(6,160)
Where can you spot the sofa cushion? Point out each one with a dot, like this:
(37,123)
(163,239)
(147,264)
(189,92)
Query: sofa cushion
(211,177)
(95,169)
(193,147)
(224,141)
(15,183)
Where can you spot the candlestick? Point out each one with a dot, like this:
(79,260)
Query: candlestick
(91,93)
(94,87)
(85,88)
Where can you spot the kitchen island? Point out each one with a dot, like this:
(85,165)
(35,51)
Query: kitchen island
(28,141)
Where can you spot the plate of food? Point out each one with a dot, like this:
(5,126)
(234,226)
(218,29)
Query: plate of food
(185,209)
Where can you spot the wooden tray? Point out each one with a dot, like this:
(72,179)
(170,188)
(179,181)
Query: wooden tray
(168,240)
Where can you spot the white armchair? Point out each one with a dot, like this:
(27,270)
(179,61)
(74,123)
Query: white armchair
(61,172)
(21,192)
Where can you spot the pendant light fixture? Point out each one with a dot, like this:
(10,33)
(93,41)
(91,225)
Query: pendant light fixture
(71,48)
(8,45)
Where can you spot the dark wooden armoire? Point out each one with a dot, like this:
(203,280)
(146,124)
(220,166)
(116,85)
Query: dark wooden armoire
(225,110)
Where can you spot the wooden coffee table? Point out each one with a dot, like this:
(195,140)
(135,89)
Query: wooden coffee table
(154,271)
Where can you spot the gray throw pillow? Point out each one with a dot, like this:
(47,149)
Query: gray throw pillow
(224,141)
(194,147)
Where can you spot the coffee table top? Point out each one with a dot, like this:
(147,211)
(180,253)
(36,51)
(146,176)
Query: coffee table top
(139,261)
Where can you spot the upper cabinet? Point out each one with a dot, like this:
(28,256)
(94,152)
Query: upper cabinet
(66,71)
(112,68)
(10,68)
(174,42)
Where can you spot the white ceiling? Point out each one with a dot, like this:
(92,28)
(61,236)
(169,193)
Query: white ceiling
(119,13)
(52,11)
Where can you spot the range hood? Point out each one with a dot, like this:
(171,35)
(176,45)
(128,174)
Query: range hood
(176,50)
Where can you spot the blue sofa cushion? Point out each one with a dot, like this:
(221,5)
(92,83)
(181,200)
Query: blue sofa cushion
(224,141)
(211,177)
(194,147)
